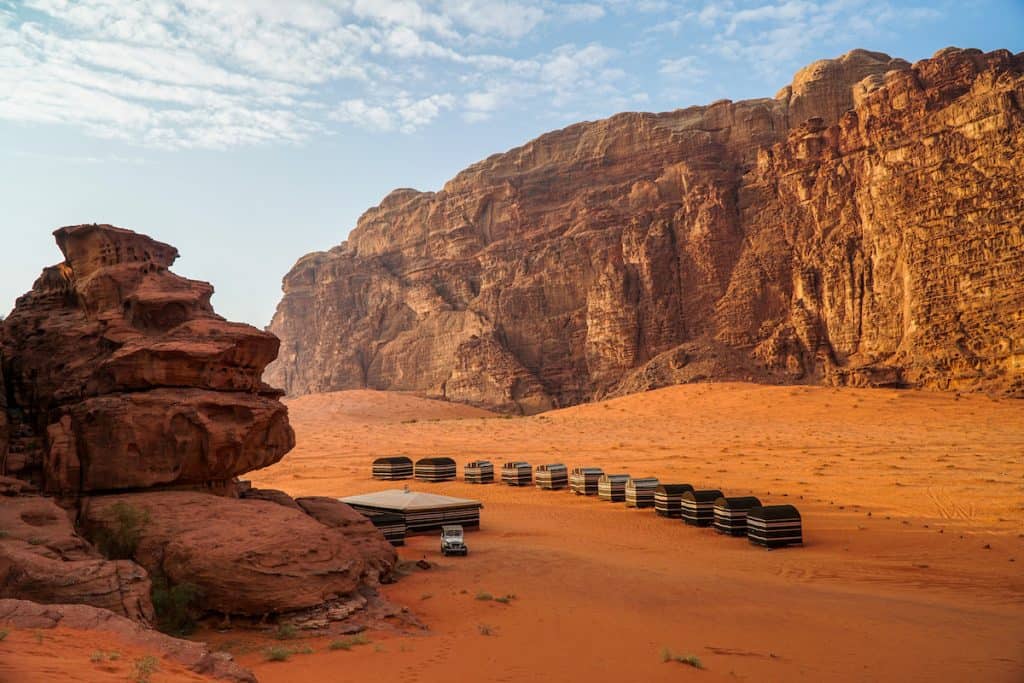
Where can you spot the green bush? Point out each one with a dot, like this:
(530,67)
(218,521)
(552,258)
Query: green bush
(286,632)
(277,654)
(119,539)
(175,606)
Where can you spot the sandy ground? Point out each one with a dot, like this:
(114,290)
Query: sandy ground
(913,508)
(74,656)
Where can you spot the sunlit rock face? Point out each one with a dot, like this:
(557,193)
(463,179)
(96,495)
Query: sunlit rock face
(121,376)
(863,228)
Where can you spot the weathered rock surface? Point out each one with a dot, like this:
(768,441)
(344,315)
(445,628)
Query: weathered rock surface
(121,375)
(43,559)
(195,656)
(864,227)
(248,557)
(379,555)
(136,406)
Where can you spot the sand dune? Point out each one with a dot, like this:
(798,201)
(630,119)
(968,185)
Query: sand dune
(912,507)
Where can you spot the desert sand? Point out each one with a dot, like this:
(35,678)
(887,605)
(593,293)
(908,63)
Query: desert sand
(912,502)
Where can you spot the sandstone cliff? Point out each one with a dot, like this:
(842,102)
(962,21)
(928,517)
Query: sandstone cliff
(863,227)
(134,407)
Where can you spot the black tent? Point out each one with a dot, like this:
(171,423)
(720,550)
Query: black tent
(478,472)
(583,480)
(668,499)
(774,526)
(698,507)
(612,487)
(640,492)
(516,474)
(731,514)
(392,467)
(553,476)
(435,469)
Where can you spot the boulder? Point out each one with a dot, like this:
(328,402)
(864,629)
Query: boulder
(246,556)
(42,559)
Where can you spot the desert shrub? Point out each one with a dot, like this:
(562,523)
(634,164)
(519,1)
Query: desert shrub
(286,632)
(484,596)
(175,605)
(3,635)
(506,599)
(277,654)
(144,668)
(349,643)
(485,629)
(689,660)
(119,538)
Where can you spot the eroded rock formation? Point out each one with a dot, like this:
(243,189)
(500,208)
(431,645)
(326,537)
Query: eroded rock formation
(863,227)
(130,378)
(135,407)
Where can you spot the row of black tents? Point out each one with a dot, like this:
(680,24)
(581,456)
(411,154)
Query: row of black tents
(772,526)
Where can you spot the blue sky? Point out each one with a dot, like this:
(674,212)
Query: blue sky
(250,132)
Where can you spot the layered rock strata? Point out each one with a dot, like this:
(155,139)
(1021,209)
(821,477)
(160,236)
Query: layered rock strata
(863,227)
(135,407)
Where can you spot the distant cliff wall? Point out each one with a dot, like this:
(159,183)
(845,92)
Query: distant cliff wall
(863,227)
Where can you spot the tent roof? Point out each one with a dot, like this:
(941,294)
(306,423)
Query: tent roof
(406,501)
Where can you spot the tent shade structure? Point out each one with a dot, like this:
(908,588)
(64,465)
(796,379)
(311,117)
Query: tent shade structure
(668,499)
(392,467)
(421,512)
(698,507)
(640,492)
(731,514)
(583,480)
(435,469)
(774,526)
(516,474)
(478,472)
(612,487)
(552,477)
(391,524)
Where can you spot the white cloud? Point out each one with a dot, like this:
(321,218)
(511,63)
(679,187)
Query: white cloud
(222,73)
(683,69)
(582,11)
(402,113)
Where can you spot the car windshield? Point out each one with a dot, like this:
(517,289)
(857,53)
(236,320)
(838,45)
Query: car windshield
(452,533)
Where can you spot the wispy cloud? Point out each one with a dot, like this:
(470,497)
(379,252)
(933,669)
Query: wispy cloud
(223,73)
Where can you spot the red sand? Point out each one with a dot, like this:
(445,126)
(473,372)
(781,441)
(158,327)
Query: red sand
(913,508)
(70,655)
(907,592)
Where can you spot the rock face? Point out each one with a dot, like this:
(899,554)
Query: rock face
(136,406)
(129,379)
(864,227)
(43,559)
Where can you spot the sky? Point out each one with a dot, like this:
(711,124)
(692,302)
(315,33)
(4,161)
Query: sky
(250,132)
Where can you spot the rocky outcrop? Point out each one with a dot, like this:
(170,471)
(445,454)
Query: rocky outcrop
(246,557)
(129,378)
(136,407)
(43,559)
(194,656)
(863,227)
